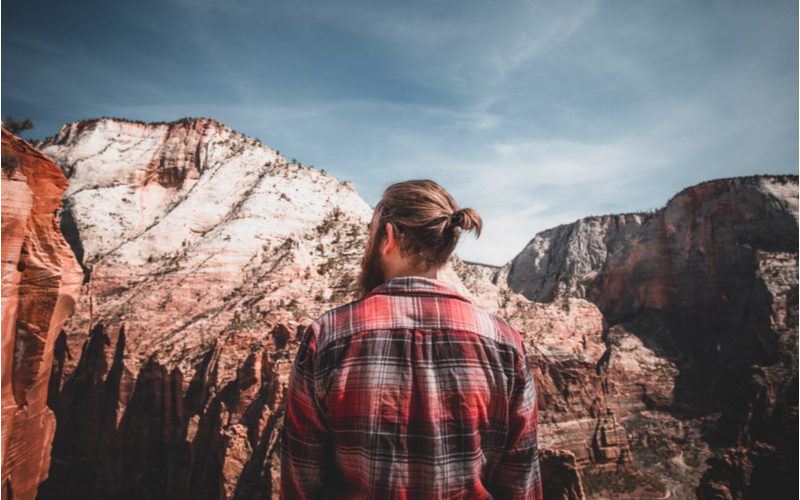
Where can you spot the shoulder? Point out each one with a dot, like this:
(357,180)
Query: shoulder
(330,317)
(508,334)
(339,320)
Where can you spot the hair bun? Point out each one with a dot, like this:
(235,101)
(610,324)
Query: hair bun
(457,217)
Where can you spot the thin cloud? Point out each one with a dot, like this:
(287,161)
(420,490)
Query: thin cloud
(536,113)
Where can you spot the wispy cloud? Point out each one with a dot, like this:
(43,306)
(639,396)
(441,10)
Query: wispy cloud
(536,113)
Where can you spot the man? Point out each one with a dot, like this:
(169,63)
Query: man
(411,391)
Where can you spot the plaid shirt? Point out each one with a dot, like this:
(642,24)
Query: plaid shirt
(410,392)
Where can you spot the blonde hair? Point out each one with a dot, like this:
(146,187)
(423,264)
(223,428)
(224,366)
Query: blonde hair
(426,220)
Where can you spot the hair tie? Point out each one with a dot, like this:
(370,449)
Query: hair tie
(457,217)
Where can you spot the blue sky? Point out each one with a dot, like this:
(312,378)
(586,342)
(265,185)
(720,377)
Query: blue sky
(533,113)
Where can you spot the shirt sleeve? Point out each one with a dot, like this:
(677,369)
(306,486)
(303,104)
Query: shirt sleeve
(305,441)
(518,474)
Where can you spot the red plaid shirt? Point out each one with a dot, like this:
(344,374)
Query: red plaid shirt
(410,392)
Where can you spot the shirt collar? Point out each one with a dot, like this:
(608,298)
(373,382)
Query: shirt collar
(417,285)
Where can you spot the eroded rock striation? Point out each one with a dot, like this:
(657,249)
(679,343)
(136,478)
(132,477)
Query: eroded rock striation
(41,282)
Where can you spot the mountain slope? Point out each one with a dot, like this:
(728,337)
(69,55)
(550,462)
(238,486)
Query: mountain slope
(205,254)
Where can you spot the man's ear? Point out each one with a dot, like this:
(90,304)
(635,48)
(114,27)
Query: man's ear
(390,241)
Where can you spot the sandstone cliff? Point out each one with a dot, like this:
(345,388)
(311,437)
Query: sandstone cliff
(564,260)
(205,253)
(708,284)
(41,282)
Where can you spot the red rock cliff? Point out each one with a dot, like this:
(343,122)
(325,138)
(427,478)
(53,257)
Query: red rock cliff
(41,283)
(700,298)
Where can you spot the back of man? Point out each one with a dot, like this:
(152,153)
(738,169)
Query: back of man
(410,392)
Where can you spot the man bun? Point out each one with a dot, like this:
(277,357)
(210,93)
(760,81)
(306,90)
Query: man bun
(468,220)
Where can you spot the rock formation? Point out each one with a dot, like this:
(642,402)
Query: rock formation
(205,254)
(709,285)
(564,477)
(41,282)
(564,260)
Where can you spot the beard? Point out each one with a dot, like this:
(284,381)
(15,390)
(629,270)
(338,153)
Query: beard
(372,273)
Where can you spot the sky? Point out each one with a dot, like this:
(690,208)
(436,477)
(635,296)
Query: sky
(533,113)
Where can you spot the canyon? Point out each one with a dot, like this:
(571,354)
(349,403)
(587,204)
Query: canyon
(663,344)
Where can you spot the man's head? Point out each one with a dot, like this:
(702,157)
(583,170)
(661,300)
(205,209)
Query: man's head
(414,229)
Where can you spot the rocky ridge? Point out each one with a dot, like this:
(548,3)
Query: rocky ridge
(708,285)
(563,261)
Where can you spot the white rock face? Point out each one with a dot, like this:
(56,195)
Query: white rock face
(563,260)
(782,194)
(146,191)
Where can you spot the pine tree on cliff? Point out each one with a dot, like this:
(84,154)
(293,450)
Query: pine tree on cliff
(15,125)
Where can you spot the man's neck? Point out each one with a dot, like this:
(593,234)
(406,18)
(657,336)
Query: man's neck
(434,272)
